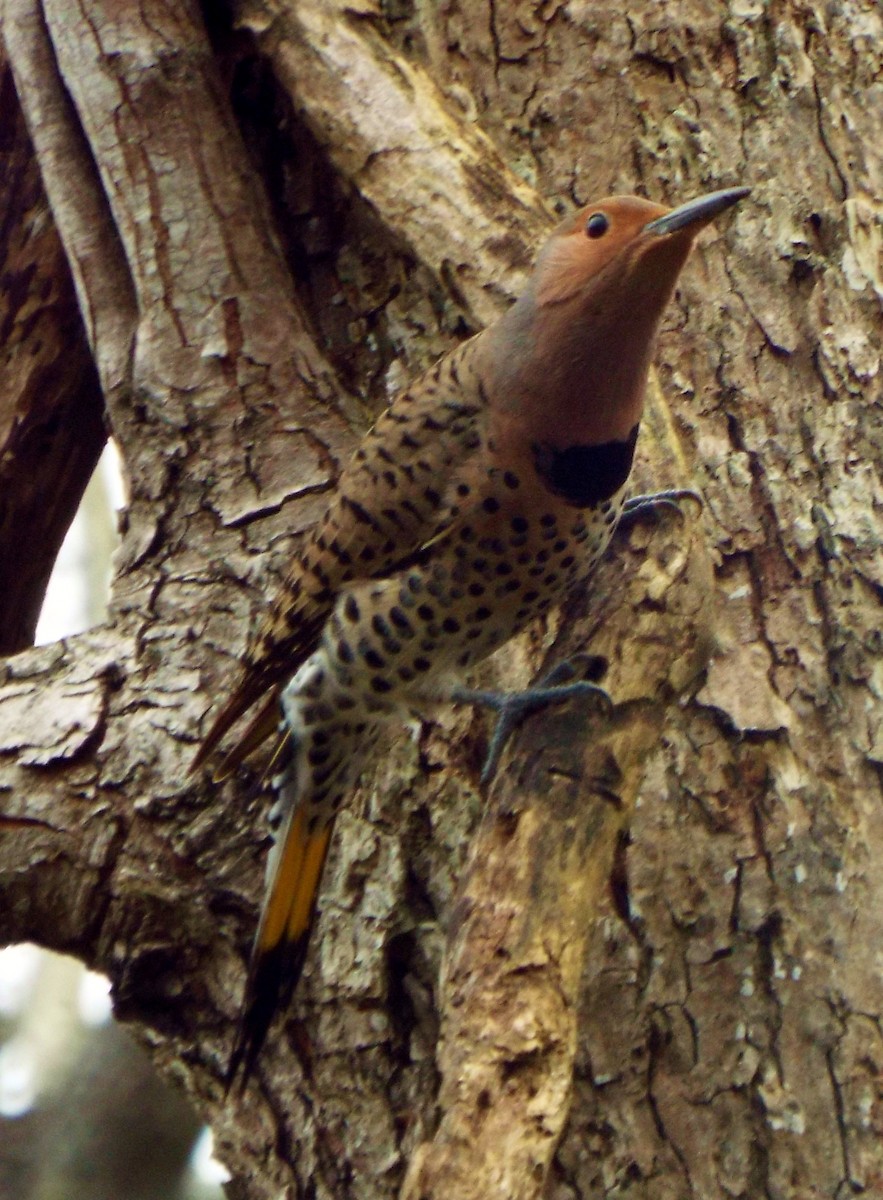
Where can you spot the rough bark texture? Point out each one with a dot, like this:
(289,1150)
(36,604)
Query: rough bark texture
(646,964)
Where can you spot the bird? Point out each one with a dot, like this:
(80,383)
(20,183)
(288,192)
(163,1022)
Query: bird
(485,492)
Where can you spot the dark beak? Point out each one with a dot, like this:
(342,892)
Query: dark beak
(696,212)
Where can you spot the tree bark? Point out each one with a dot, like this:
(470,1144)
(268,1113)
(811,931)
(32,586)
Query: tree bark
(646,961)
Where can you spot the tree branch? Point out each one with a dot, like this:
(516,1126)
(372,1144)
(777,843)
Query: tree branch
(464,213)
(51,414)
(78,204)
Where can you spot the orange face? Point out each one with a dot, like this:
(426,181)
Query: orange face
(606,244)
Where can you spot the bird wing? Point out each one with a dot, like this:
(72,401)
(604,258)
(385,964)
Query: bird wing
(398,493)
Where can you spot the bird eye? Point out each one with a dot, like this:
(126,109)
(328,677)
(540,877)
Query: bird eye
(597,225)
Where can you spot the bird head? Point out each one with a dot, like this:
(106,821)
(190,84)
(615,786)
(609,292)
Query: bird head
(572,354)
(623,250)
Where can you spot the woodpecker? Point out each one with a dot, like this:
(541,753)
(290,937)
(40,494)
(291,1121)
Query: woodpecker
(486,490)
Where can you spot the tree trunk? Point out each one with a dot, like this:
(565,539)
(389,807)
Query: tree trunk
(647,962)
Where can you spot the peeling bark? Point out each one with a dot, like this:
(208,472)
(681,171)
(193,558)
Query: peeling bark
(647,961)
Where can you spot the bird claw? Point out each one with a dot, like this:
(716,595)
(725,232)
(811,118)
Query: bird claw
(557,686)
(638,507)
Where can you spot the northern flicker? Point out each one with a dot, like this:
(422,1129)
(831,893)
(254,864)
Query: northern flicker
(484,492)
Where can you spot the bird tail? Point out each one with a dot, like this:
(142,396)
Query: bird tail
(280,947)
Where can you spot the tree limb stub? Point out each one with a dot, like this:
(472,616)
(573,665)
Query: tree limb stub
(538,866)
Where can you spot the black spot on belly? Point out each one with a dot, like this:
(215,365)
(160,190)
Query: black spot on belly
(400,621)
(585,475)
(380,626)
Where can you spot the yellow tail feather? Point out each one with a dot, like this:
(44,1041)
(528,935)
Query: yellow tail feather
(301,914)
(280,947)
(293,888)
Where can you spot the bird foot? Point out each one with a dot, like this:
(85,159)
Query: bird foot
(555,687)
(638,507)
